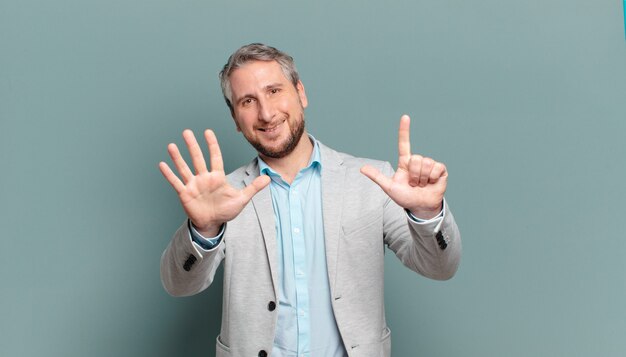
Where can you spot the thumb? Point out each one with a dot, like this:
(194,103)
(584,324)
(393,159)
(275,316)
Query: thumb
(257,185)
(378,177)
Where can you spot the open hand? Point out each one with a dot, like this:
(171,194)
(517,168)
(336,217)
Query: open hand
(207,198)
(419,182)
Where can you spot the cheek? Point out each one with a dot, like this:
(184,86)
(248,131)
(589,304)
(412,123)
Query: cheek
(243,121)
(292,104)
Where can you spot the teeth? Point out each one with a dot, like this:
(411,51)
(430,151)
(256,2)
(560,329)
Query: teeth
(272,128)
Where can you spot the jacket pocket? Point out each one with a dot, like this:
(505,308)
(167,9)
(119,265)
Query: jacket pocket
(221,349)
(380,348)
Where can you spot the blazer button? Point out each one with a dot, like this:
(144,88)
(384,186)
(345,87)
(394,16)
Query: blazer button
(439,236)
(262,353)
(441,241)
(189,262)
(271,306)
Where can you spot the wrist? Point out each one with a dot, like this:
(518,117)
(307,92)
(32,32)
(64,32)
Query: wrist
(207,230)
(426,213)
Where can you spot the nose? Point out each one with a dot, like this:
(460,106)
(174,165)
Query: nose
(266,111)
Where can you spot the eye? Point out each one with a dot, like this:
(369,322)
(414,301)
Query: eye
(246,102)
(274,90)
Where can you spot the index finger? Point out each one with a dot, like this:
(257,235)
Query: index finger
(404,143)
(215,154)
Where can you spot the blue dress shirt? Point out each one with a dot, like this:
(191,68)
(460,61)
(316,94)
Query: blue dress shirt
(306,323)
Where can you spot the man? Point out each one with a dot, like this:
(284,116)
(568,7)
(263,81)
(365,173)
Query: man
(302,228)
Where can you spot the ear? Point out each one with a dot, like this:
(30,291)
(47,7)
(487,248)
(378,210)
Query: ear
(302,94)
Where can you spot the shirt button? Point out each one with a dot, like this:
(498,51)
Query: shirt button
(301,313)
(262,353)
(296,230)
(271,306)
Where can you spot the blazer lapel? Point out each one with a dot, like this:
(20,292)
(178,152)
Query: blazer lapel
(333,174)
(262,203)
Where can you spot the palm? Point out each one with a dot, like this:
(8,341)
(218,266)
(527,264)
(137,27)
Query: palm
(406,195)
(206,197)
(418,184)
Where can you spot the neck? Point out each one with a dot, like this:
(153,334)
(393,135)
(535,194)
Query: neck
(289,165)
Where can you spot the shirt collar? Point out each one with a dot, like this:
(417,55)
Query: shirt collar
(314,161)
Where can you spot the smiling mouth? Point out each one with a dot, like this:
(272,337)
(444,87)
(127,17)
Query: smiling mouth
(272,128)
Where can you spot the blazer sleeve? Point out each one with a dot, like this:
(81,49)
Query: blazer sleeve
(432,250)
(186,269)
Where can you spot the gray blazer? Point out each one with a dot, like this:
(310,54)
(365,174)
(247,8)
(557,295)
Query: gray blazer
(359,220)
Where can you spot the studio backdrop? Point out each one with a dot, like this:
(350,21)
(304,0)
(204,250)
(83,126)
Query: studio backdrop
(524,101)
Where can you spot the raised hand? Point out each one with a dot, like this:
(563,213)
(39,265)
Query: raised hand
(419,182)
(207,198)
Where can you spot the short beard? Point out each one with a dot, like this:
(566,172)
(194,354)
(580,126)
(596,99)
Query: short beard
(287,148)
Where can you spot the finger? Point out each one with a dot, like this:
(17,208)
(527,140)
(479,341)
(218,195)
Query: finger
(378,177)
(439,171)
(404,142)
(194,151)
(257,185)
(179,162)
(427,168)
(215,154)
(415,170)
(169,175)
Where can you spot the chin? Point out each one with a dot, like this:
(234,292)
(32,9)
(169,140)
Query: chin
(282,147)
(277,151)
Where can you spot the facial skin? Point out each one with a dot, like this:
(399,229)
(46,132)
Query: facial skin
(267,108)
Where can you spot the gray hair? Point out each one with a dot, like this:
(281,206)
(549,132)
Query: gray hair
(255,52)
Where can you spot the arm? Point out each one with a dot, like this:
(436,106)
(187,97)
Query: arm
(431,248)
(209,202)
(418,186)
(186,268)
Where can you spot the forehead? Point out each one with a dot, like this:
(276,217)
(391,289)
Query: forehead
(257,74)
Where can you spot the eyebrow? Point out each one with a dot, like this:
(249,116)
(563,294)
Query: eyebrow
(274,85)
(267,87)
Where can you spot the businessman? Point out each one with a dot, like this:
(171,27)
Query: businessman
(302,228)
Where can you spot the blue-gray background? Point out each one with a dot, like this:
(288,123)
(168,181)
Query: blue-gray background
(524,101)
